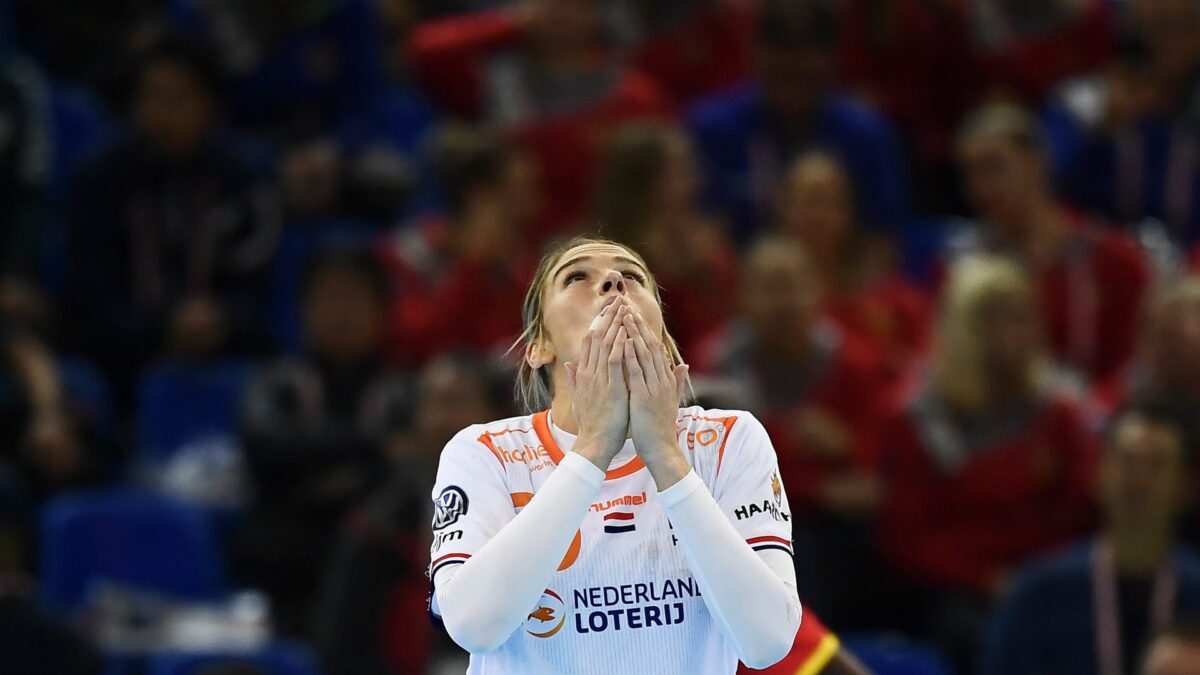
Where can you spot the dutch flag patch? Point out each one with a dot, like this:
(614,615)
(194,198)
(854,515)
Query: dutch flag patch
(617,522)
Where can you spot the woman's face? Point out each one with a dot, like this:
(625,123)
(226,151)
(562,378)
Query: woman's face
(1177,339)
(816,206)
(1009,330)
(679,183)
(780,299)
(580,284)
(1001,178)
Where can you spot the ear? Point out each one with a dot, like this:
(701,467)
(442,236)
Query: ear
(539,353)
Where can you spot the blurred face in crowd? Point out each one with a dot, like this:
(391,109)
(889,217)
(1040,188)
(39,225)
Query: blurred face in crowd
(344,316)
(1142,475)
(580,283)
(1001,177)
(780,299)
(1008,331)
(816,205)
(563,25)
(1172,655)
(1170,29)
(173,109)
(794,80)
(451,399)
(500,211)
(519,189)
(1175,339)
(678,183)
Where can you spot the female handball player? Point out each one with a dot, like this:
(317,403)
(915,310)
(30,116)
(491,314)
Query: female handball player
(614,531)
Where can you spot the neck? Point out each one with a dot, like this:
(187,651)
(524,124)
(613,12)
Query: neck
(1038,234)
(563,414)
(1139,551)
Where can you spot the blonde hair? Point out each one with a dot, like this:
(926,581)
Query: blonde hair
(533,389)
(1184,290)
(975,282)
(1003,120)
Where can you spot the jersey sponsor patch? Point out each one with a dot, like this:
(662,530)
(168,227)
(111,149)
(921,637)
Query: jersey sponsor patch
(618,522)
(449,506)
(548,617)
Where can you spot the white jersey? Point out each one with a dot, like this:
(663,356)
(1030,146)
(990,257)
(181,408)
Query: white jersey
(623,599)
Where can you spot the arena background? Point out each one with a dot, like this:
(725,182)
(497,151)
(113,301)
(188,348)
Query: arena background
(260,259)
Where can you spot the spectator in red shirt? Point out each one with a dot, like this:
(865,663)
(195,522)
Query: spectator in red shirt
(863,293)
(693,48)
(648,198)
(1089,278)
(460,277)
(986,464)
(541,71)
(819,391)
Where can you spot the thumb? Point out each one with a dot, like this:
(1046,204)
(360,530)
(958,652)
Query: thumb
(571,368)
(681,379)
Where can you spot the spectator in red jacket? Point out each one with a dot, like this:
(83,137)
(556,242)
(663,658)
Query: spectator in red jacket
(819,392)
(542,71)
(1089,278)
(1027,47)
(986,464)
(864,295)
(461,276)
(648,198)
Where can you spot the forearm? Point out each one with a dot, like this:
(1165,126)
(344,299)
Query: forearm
(486,598)
(756,606)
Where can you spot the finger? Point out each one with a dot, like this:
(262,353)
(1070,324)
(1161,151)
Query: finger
(597,335)
(657,351)
(681,378)
(652,338)
(586,350)
(637,377)
(571,369)
(616,357)
(641,349)
(610,336)
(663,365)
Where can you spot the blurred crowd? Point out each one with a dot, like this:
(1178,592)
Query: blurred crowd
(265,257)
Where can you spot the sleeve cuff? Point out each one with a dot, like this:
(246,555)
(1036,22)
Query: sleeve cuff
(680,491)
(584,469)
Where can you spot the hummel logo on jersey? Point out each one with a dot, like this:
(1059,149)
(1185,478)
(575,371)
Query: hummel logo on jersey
(617,522)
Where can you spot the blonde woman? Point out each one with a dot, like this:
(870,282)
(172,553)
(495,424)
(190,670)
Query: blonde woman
(613,531)
(986,464)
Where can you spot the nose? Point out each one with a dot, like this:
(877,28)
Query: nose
(612,281)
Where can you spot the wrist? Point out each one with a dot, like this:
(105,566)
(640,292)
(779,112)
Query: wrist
(596,450)
(667,465)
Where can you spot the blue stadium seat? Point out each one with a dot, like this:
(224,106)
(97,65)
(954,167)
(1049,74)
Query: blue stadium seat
(132,539)
(179,403)
(889,655)
(276,659)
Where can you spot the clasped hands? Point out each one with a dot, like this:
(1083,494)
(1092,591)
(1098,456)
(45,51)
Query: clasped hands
(624,386)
